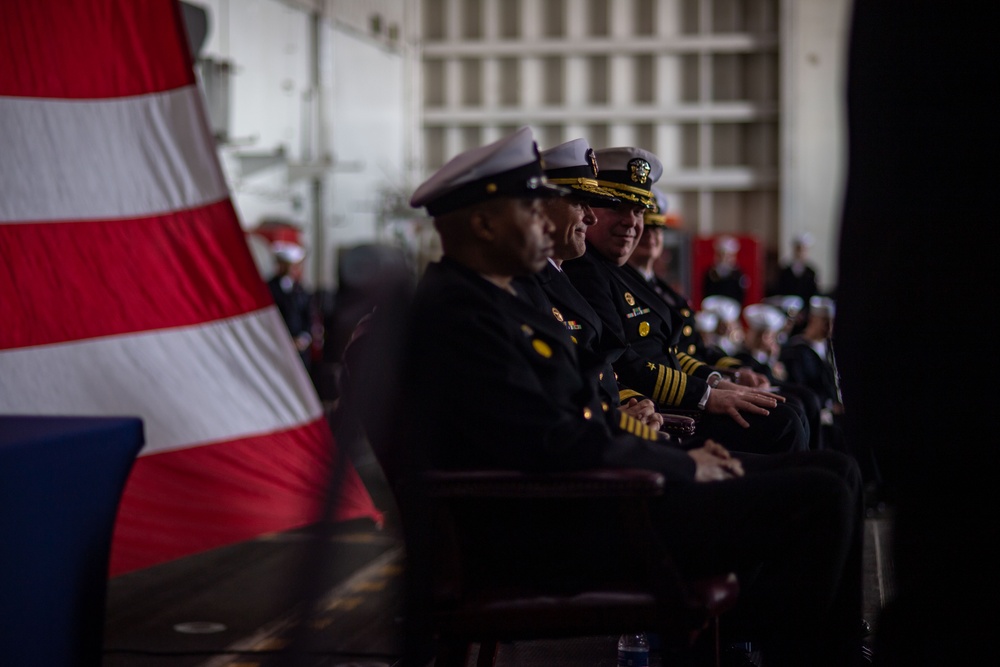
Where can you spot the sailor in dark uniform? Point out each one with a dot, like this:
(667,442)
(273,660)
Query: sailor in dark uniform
(760,351)
(807,357)
(490,381)
(294,302)
(798,276)
(574,166)
(643,260)
(809,360)
(748,419)
(725,277)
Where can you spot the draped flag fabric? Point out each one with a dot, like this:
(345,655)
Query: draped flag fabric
(127,287)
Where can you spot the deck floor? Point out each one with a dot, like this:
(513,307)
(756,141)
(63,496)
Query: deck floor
(241,605)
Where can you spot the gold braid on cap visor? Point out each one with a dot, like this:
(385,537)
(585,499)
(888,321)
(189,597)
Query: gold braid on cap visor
(639,195)
(585,184)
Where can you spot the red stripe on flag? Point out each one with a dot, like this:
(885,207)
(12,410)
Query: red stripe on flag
(70,281)
(183,502)
(92,48)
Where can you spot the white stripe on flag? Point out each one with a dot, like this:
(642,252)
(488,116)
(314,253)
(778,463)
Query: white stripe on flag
(194,385)
(102,159)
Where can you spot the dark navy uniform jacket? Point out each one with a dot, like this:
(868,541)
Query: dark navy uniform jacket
(551,290)
(734,284)
(804,366)
(470,347)
(650,329)
(690,341)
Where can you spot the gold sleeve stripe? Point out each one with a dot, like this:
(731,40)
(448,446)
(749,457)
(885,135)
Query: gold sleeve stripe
(659,395)
(625,394)
(670,386)
(630,424)
(688,363)
(729,362)
(677,386)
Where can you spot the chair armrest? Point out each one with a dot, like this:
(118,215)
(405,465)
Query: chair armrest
(596,483)
(678,423)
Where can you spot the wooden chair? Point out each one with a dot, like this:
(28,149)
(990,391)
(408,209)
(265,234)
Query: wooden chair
(496,556)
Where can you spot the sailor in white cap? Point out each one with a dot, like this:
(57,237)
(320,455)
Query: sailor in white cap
(763,324)
(798,275)
(762,352)
(646,329)
(730,330)
(294,301)
(573,165)
(724,276)
(808,356)
(643,261)
(707,324)
(793,308)
(646,262)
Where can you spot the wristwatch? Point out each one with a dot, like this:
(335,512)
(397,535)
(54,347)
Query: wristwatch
(703,403)
(713,379)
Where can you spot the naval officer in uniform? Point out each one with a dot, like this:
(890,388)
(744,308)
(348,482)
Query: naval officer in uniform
(745,418)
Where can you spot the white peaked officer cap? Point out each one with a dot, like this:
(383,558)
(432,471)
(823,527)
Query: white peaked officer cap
(727,244)
(726,308)
(508,167)
(762,317)
(706,321)
(822,306)
(791,304)
(574,165)
(288,252)
(629,173)
(805,239)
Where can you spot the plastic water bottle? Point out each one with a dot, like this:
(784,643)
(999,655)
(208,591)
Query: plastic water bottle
(633,650)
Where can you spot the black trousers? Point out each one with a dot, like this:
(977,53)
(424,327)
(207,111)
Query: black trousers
(783,430)
(792,529)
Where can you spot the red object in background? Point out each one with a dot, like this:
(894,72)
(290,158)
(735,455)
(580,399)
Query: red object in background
(750,259)
(278,230)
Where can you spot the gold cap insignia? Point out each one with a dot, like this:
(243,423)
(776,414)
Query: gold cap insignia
(638,170)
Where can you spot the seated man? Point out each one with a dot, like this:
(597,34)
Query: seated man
(490,381)
(644,258)
(573,166)
(809,361)
(744,418)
